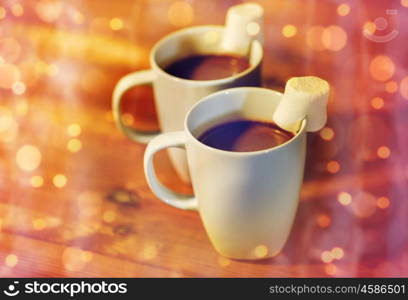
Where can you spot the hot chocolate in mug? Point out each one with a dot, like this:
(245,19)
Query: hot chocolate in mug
(247,200)
(174,96)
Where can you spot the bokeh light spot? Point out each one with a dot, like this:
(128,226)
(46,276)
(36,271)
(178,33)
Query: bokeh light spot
(11,260)
(383,152)
(59,180)
(261,251)
(344,198)
(17,10)
(9,74)
(323,221)
(383,202)
(10,50)
(327,133)
(333,166)
(404,3)
(180,13)
(391,86)
(334,38)
(28,158)
(369,28)
(289,31)
(337,253)
(314,38)
(377,102)
(363,205)
(109,216)
(3,13)
(74,145)
(116,24)
(74,129)
(330,269)
(326,257)
(382,68)
(223,261)
(39,224)
(36,181)
(343,9)
(18,88)
(404,88)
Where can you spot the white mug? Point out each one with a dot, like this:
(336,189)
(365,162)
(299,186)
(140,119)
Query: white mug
(174,96)
(247,200)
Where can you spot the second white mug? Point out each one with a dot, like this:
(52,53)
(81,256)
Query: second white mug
(175,96)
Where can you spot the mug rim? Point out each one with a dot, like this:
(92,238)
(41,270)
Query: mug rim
(210,97)
(160,43)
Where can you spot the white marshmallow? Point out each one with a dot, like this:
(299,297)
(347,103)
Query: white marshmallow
(243,24)
(303,97)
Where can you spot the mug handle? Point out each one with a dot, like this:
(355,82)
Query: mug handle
(166,140)
(125,83)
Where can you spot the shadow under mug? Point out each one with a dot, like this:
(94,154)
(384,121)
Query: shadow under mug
(174,96)
(247,200)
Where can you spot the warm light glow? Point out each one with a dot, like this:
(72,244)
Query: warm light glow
(369,28)
(327,133)
(51,70)
(72,259)
(28,157)
(253,28)
(261,251)
(391,87)
(333,166)
(344,198)
(383,152)
(9,74)
(48,10)
(404,3)
(383,202)
(17,10)
(59,180)
(11,260)
(78,18)
(326,257)
(334,38)
(337,253)
(116,24)
(363,205)
(86,256)
(36,181)
(149,251)
(330,269)
(2,13)
(6,119)
(74,129)
(343,9)
(10,50)
(314,38)
(127,119)
(109,216)
(382,68)
(323,220)
(89,203)
(74,145)
(21,107)
(404,87)
(180,14)
(18,88)
(289,31)
(39,224)
(377,103)
(223,261)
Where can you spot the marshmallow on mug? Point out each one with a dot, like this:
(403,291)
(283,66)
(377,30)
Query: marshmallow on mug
(303,97)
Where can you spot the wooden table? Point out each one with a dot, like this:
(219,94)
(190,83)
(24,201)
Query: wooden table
(73,197)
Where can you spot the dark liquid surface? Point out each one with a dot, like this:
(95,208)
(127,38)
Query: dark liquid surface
(245,136)
(208,67)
